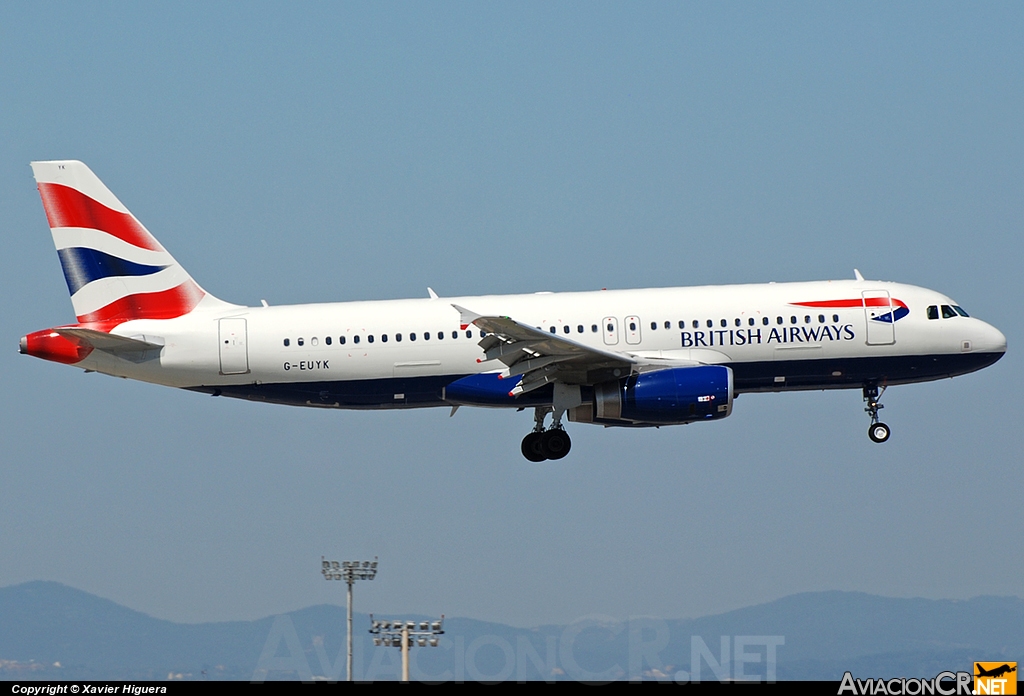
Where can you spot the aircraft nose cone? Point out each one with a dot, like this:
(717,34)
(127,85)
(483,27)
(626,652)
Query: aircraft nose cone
(990,340)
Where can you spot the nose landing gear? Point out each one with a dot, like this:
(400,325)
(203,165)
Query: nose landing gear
(541,444)
(877,431)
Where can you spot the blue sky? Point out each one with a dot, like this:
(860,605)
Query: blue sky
(336,151)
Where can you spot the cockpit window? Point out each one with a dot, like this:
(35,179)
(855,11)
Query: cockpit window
(933,312)
(947,312)
(960,311)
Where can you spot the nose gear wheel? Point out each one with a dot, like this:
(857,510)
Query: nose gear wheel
(877,431)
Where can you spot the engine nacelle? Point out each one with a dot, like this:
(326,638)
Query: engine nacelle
(663,397)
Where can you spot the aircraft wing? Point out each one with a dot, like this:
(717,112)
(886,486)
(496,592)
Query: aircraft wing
(542,357)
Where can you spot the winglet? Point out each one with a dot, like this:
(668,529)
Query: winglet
(466,317)
(430,291)
(857,275)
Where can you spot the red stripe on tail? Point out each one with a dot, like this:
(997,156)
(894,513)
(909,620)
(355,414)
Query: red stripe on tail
(68,207)
(166,304)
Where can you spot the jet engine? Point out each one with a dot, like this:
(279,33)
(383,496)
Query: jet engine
(662,397)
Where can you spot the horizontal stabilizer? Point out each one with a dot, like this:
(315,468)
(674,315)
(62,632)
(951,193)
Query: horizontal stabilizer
(108,343)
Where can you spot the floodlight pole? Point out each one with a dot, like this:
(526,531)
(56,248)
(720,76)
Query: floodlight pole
(349,571)
(348,639)
(405,654)
(401,633)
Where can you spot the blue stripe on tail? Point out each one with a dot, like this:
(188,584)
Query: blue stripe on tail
(82,266)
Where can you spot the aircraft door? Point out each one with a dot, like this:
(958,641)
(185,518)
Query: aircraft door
(610,327)
(632,330)
(234,355)
(878,317)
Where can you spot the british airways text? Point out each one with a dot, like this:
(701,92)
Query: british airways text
(786,334)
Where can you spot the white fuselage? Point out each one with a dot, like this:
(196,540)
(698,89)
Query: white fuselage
(378,354)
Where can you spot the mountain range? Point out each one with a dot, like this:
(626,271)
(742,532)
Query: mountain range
(52,631)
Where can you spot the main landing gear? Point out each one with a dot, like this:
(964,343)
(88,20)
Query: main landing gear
(541,444)
(878,431)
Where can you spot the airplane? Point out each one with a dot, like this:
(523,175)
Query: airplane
(996,671)
(628,358)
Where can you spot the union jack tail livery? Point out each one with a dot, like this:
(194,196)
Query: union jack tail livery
(115,269)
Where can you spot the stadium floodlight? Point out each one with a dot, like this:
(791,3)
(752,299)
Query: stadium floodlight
(404,634)
(349,571)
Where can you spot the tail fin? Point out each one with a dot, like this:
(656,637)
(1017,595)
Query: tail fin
(115,269)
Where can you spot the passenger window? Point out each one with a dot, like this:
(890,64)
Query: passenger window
(469,333)
(960,311)
(301,342)
(765,321)
(314,341)
(724,323)
(398,338)
(565,329)
(611,328)
(355,339)
(426,335)
(579,329)
(668,325)
(682,324)
(778,320)
(654,326)
(632,326)
(750,321)
(327,340)
(551,329)
(711,324)
(341,340)
(412,336)
(384,338)
(696,324)
(821,318)
(287,342)
(947,312)
(593,328)
(792,320)
(482,333)
(455,334)
(738,322)
(807,319)
(932,312)
(835,318)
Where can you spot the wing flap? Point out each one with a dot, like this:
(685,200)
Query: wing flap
(542,357)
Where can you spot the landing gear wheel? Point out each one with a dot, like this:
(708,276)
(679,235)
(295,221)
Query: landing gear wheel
(878,432)
(555,443)
(533,448)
